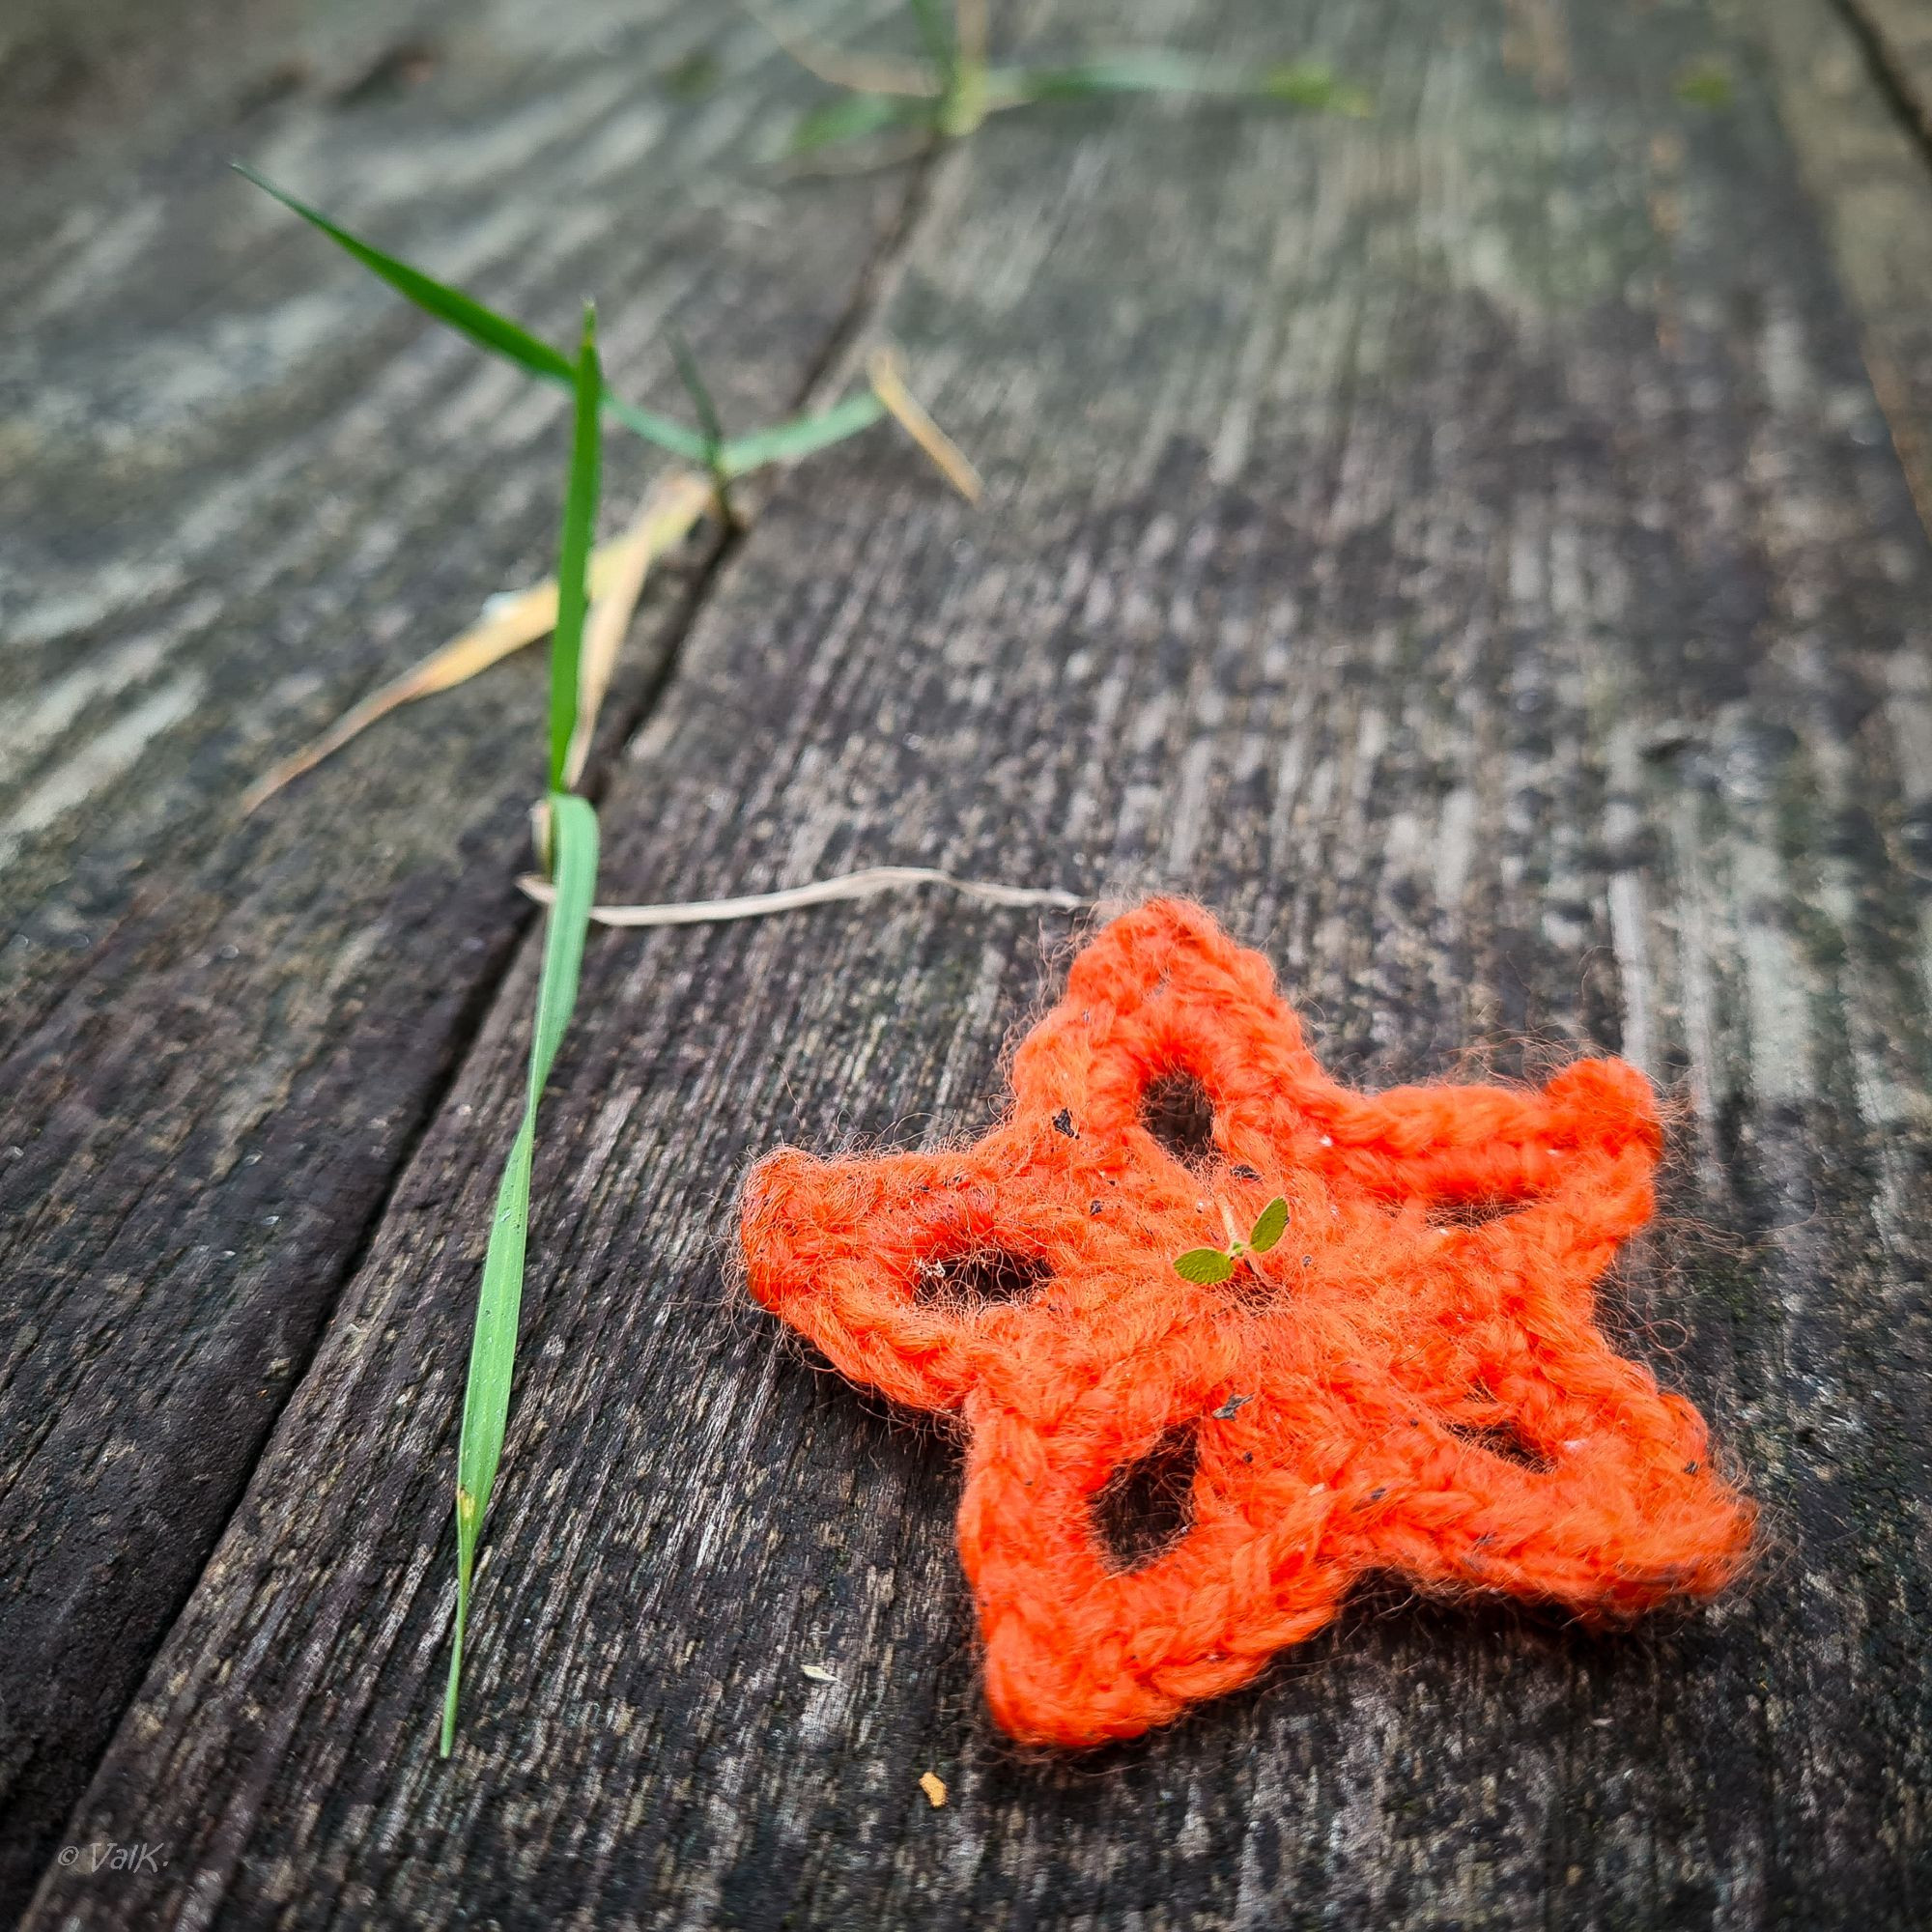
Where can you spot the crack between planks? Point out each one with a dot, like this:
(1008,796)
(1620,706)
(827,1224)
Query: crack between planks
(1889,76)
(870,289)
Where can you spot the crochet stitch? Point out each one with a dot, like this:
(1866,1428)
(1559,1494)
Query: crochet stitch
(1411,1381)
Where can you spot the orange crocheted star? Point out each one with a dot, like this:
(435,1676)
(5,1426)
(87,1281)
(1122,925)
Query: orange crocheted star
(1411,1380)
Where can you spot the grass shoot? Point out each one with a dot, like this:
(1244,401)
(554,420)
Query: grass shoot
(948,92)
(617,569)
(571,857)
(585,612)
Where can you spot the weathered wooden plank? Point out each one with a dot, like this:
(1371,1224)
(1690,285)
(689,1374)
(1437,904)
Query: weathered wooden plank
(1464,548)
(241,484)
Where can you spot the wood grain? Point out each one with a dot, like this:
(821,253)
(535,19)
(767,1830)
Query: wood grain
(1461,546)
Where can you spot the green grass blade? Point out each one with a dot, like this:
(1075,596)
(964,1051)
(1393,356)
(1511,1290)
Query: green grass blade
(1704,83)
(483,326)
(579,529)
(708,419)
(801,436)
(1156,70)
(1316,86)
(493,1351)
(1307,84)
(656,429)
(463,313)
(857,117)
(505,337)
(573,845)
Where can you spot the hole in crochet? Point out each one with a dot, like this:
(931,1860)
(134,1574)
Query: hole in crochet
(1474,1212)
(979,1278)
(1147,1505)
(1504,1440)
(1175,1110)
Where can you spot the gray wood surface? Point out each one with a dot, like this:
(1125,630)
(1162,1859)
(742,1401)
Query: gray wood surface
(1461,546)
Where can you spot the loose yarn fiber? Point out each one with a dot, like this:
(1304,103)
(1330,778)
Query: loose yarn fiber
(1412,1381)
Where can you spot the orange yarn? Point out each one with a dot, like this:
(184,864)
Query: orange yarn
(1390,1388)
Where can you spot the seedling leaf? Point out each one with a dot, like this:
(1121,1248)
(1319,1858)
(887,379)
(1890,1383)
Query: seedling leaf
(1206,1267)
(1269,1227)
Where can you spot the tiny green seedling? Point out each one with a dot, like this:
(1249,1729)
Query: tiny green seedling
(948,92)
(1207,1267)
(1704,83)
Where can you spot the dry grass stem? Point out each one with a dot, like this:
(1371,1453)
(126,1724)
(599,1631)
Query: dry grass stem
(671,511)
(874,879)
(513,623)
(888,378)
